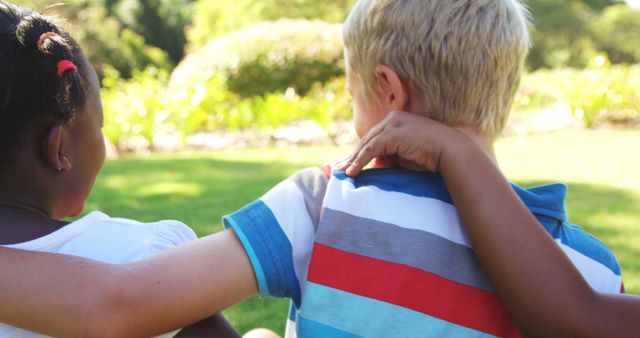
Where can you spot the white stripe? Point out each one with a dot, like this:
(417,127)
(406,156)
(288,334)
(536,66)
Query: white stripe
(287,205)
(601,278)
(404,210)
(290,330)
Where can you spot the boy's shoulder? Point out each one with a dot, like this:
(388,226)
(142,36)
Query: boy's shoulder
(391,180)
(595,261)
(592,257)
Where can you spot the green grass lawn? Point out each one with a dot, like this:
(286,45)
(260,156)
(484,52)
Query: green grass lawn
(600,167)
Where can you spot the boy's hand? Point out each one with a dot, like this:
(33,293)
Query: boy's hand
(417,141)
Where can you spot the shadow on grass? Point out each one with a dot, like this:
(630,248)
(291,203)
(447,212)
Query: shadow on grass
(196,191)
(613,216)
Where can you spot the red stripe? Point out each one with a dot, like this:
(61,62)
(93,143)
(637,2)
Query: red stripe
(326,169)
(410,288)
(622,290)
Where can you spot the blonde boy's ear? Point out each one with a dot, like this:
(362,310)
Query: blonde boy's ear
(394,95)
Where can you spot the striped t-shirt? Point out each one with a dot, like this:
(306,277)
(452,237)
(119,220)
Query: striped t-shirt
(385,255)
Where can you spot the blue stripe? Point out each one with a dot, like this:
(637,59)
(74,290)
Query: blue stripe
(361,316)
(269,250)
(413,183)
(255,262)
(292,312)
(314,329)
(581,241)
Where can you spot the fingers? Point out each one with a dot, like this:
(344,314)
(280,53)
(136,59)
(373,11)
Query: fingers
(382,139)
(367,152)
(360,147)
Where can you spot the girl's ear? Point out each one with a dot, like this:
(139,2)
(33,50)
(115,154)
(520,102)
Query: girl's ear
(54,149)
(393,93)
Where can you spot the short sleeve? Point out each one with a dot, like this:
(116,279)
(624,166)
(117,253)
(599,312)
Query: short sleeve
(169,234)
(278,230)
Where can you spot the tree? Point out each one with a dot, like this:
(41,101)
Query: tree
(617,32)
(161,22)
(561,34)
(215,18)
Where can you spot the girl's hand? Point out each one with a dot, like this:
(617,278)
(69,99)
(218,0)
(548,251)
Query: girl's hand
(418,142)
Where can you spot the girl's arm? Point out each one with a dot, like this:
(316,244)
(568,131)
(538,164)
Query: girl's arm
(542,290)
(76,297)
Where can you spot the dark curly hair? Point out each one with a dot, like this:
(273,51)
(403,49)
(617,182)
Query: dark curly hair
(32,95)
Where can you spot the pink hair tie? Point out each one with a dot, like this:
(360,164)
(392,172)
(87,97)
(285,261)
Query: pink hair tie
(65,65)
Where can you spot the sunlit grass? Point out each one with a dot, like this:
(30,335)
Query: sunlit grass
(600,168)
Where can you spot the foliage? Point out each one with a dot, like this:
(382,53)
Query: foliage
(205,106)
(106,42)
(566,32)
(561,34)
(282,54)
(617,32)
(134,108)
(604,92)
(143,107)
(145,104)
(161,22)
(601,92)
(210,105)
(216,18)
(328,10)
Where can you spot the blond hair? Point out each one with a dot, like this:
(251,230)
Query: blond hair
(463,58)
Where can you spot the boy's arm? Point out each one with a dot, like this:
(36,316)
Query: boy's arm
(76,297)
(542,290)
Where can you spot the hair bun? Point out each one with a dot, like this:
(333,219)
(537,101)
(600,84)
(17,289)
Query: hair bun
(31,28)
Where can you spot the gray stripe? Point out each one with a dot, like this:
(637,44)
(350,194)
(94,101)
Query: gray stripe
(312,182)
(415,248)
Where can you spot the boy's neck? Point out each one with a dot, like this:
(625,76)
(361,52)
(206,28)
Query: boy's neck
(485,142)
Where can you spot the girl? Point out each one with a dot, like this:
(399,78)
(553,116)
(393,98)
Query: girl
(51,149)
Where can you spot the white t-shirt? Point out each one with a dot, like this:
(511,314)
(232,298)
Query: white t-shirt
(112,240)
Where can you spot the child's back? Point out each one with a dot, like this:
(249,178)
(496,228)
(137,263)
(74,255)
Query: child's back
(384,254)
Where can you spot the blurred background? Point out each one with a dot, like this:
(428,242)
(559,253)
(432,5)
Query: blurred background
(184,72)
(217,76)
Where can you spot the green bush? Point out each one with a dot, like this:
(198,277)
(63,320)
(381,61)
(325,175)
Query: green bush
(135,108)
(211,106)
(535,91)
(323,104)
(604,92)
(617,32)
(207,105)
(270,57)
(599,93)
(212,19)
(144,106)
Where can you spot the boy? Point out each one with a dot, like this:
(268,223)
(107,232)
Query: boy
(384,254)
